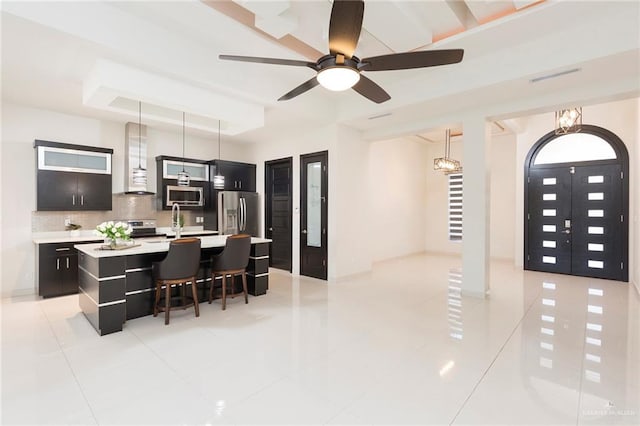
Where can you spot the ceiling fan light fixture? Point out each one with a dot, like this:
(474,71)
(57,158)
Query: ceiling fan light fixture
(338,78)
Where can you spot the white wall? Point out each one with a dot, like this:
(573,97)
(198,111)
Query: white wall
(634,177)
(502,153)
(20,126)
(351,202)
(502,150)
(296,142)
(398,185)
(620,118)
(348,230)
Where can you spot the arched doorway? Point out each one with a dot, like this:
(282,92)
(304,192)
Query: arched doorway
(577,205)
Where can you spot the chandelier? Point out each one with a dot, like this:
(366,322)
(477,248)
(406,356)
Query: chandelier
(568,121)
(446,164)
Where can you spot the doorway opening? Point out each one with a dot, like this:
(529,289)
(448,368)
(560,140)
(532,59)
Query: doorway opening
(577,205)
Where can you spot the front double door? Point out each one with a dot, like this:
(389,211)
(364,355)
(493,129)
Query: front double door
(576,221)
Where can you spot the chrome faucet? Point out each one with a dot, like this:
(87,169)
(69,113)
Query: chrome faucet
(175,219)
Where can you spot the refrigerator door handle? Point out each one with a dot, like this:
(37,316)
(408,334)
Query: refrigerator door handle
(240,214)
(244,226)
(220,213)
(243,203)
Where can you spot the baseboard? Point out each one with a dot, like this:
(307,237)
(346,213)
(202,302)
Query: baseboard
(18,293)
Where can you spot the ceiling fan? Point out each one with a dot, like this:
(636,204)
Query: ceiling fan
(340,70)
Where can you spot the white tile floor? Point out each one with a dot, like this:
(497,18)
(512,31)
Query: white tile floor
(396,346)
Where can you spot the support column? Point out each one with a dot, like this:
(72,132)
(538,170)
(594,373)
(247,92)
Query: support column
(476,207)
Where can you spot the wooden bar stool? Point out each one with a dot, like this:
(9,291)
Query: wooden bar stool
(231,262)
(178,268)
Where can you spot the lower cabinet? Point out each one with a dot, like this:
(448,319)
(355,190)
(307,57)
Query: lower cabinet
(57,269)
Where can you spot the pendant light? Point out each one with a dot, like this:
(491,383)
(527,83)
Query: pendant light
(218,179)
(446,164)
(568,121)
(138,174)
(183,177)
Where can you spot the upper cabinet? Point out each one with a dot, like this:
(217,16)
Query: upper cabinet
(237,176)
(190,197)
(171,168)
(73,177)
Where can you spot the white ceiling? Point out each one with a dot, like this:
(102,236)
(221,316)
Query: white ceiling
(50,51)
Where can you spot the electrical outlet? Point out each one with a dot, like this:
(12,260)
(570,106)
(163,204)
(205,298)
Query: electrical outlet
(199,219)
(67,221)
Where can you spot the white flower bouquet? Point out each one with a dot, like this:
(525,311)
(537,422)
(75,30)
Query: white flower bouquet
(114,230)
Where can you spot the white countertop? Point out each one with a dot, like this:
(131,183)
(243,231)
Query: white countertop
(154,246)
(89,235)
(63,237)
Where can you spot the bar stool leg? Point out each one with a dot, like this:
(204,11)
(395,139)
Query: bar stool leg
(167,304)
(224,291)
(244,287)
(158,291)
(194,291)
(213,283)
(183,293)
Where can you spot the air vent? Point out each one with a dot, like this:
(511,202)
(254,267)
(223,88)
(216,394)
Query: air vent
(375,117)
(558,74)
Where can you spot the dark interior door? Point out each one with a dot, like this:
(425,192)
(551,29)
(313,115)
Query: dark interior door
(549,209)
(575,221)
(598,222)
(313,215)
(278,212)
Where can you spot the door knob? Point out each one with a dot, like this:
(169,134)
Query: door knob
(304,231)
(270,229)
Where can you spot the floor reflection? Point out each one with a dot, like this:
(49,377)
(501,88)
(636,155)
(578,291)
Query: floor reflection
(454,302)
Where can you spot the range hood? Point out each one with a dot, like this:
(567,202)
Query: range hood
(135,146)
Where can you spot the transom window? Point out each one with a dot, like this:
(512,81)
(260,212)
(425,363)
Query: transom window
(575,147)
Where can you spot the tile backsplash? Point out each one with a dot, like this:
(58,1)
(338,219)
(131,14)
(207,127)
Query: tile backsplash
(124,207)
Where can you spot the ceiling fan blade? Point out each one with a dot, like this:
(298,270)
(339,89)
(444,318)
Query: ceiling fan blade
(409,60)
(274,61)
(345,26)
(307,85)
(371,90)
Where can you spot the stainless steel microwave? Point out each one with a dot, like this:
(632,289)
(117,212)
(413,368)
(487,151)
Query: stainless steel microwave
(192,196)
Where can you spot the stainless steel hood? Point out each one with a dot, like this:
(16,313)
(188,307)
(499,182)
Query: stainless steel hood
(135,145)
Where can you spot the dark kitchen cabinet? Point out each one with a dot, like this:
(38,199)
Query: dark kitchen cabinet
(189,198)
(73,177)
(237,176)
(57,265)
(73,191)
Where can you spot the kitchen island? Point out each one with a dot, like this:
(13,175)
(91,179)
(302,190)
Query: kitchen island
(116,285)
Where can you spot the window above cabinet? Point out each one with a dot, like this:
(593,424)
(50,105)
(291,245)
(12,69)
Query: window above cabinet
(196,171)
(54,156)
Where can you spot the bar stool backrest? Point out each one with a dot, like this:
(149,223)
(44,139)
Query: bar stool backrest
(182,261)
(235,254)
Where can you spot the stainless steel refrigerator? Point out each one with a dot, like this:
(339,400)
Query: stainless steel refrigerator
(238,213)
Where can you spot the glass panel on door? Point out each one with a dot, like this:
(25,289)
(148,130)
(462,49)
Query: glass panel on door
(314,206)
